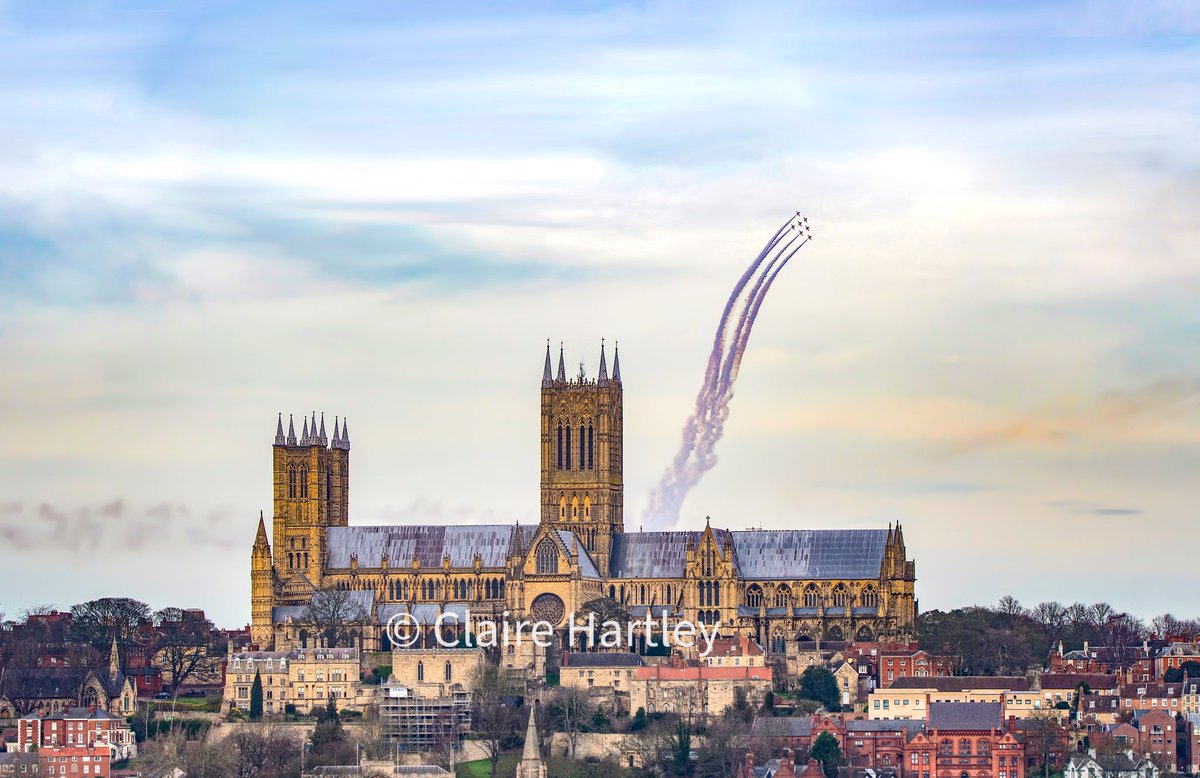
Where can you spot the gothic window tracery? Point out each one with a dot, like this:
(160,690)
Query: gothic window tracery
(547,557)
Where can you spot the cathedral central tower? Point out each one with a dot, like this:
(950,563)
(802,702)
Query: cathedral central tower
(582,453)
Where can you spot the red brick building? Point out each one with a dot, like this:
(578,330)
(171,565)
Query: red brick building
(87,727)
(75,761)
(1138,698)
(916,664)
(1175,655)
(1156,737)
(964,740)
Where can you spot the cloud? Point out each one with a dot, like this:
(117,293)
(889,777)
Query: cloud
(109,528)
(1090,508)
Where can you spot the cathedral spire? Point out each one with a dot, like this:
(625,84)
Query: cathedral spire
(617,362)
(603,380)
(345,435)
(337,436)
(314,440)
(304,435)
(562,364)
(547,375)
(321,437)
(280,440)
(291,438)
(260,538)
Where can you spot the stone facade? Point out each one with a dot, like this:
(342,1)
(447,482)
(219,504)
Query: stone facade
(437,672)
(781,587)
(305,678)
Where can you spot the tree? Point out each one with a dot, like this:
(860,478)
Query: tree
(639,721)
(186,645)
(1044,740)
(496,725)
(567,711)
(681,749)
(724,749)
(1190,668)
(335,615)
(825,749)
(99,622)
(1009,606)
(256,698)
(817,683)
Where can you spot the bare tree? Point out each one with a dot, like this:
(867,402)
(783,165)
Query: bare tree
(335,615)
(185,645)
(99,622)
(1009,606)
(567,711)
(496,724)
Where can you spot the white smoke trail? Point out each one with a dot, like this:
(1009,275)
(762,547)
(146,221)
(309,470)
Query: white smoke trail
(706,424)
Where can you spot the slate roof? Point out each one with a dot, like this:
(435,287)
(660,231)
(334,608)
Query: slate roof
(886,725)
(809,553)
(965,715)
(602,659)
(1012,683)
(781,726)
(795,554)
(427,543)
(587,567)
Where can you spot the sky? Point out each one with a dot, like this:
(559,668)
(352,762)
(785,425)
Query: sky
(212,213)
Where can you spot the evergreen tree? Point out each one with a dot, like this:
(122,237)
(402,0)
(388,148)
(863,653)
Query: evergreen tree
(818,684)
(826,750)
(256,698)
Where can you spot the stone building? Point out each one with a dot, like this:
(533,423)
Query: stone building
(437,672)
(304,678)
(781,587)
(698,691)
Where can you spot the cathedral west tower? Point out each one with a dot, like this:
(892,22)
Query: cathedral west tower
(582,454)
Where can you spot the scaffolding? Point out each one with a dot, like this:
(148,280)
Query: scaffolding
(415,723)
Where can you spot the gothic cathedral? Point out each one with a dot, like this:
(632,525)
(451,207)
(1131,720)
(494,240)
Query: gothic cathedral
(783,587)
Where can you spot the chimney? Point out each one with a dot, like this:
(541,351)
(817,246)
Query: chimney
(1085,650)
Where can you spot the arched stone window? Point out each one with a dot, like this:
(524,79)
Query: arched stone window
(754,596)
(292,481)
(304,480)
(560,446)
(567,448)
(587,507)
(964,747)
(449,672)
(783,596)
(945,746)
(590,450)
(812,598)
(582,447)
(574,507)
(840,596)
(420,671)
(869,597)
(547,557)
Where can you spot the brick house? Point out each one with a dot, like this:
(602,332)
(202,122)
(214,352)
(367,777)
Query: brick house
(1156,737)
(915,664)
(1137,698)
(75,761)
(964,740)
(77,726)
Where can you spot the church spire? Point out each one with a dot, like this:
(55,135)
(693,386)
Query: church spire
(280,440)
(603,380)
(114,659)
(617,362)
(562,364)
(315,439)
(547,375)
(531,757)
(291,438)
(345,435)
(321,437)
(304,435)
